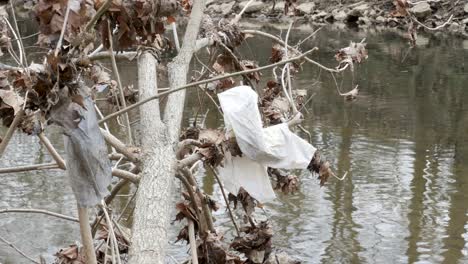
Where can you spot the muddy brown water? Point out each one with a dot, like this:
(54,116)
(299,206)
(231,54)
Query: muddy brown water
(403,142)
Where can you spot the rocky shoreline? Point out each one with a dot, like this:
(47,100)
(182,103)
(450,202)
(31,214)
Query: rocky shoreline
(432,13)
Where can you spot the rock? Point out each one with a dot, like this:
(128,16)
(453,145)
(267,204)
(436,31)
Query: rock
(421,10)
(321,14)
(257,256)
(306,8)
(262,17)
(380,20)
(226,8)
(339,15)
(255,6)
(214,8)
(466,8)
(359,10)
(364,20)
(454,26)
(281,258)
(392,22)
(465,21)
(279,6)
(209,2)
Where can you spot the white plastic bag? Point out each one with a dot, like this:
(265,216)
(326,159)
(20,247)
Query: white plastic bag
(243,172)
(275,146)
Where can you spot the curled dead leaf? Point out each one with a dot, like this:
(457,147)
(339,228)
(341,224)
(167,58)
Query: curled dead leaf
(12,99)
(354,53)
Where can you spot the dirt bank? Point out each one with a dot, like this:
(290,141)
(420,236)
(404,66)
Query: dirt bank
(432,13)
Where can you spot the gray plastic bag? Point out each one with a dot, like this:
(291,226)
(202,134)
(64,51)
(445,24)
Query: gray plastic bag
(88,165)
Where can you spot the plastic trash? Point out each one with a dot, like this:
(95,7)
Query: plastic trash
(88,165)
(238,172)
(274,146)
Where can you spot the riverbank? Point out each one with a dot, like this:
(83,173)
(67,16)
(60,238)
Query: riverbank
(431,14)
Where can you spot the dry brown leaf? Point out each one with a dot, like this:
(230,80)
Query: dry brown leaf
(211,136)
(12,99)
(401,8)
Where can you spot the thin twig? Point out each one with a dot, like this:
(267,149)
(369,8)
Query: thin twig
(17,250)
(106,127)
(118,145)
(193,242)
(19,35)
(126,206)
(126,55)
(111,231)
(43,166)
(308,37)
(225,200)
(342,178)
(64,28)
(189,189)
(98,15)
(238,16)
(6,139)
(205,209)
(39,211)
(288,70)
(306,132)
(276,39)
(53,152)
(20,60)
(176,37)
(194,84)
(239,64)
(119,84)
(434,28)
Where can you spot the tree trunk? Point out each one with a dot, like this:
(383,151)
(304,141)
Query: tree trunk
(159,140)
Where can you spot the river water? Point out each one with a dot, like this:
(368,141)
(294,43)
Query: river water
(403,142)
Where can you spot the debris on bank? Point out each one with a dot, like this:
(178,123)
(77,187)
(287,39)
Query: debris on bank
(361,13)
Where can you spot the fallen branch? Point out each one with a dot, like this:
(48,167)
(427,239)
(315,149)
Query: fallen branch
(6,139)
(53,152)
(194,84)
(184,144)
(434,28)
(18,250)
(86,237)
(123,174)
(127,55)
(98,15)
(274,38)
(43,166)
(39,211)
(118,145)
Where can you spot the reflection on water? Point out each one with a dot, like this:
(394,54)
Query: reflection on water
(404,143)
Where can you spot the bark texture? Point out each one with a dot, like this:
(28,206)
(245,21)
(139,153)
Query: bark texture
(159,140)
(153,202)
